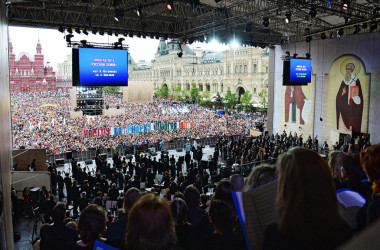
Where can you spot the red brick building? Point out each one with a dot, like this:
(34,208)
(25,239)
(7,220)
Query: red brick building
(29,74)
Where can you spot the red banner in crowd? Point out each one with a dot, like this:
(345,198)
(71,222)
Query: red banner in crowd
(186,125)
(96,132)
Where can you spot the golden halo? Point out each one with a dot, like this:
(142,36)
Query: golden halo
(353,60)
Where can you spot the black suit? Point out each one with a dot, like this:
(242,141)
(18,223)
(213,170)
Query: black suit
(115,233)
(58,237)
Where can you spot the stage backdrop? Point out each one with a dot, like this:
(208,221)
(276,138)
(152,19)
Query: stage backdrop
(297,114)
(138,92)
(346,96)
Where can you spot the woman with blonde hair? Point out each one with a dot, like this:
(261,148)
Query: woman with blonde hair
(150,225)
(308,215)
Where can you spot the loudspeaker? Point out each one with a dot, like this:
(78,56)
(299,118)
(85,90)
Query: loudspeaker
(69,155)
(179,149)
(60,161)
(34,194)
(88,162)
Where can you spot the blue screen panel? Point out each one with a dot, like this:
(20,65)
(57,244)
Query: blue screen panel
(300,71)
(103,67)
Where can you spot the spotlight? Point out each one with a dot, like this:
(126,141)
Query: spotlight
(313,12)
(109,33)
(101,32)
(340,32)
(130,34)
(364,25)
(143,36)
(139,11)
(118,15)
(288,17)
(357,30)
(295,55)
(372,26)
(121,40)
(116,33)
(345,5)
(169,5)
(308,56)
(323,36)
(68,38)
(180,54)
(84,43)
(70,30)
(266,21)
(77,30)
(125,33)
(61,29)
(94,31)
(85,31)
(308,39)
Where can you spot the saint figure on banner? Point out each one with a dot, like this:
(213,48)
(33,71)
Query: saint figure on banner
(349,102)
(294,99)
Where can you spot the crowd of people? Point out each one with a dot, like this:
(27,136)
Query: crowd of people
(42,120)
(191,207)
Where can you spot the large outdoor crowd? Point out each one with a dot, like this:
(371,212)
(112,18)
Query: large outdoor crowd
(186,203)
(42,120)
(167,202)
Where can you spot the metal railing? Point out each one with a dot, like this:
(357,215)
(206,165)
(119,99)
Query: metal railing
(132,149)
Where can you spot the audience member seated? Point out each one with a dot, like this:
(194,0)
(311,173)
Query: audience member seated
(237,182)
(334,163)
(259,176)
(115,233)
(91,226)
(192,198)
(351,177)
(222,238)
(370,161)
(186,235)
(58,236)
(307,205)
(150,225)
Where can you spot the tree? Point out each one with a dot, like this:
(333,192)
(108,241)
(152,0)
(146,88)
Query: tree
(245,101)
(112,90)
(205,94)
(230,99)
(194,93)
(263,98)
(162,91)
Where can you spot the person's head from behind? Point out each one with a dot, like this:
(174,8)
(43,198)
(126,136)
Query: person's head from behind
(237,182)
(192,197)
(370,161)
(334,164)
(179,210)
(218,213)
(91,223)
(348,169)
(306,199)
(260,175)
(131,196)
(223,193)
(150,224)
(58,213)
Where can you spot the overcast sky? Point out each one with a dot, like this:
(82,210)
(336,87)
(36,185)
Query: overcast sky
(55,49)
